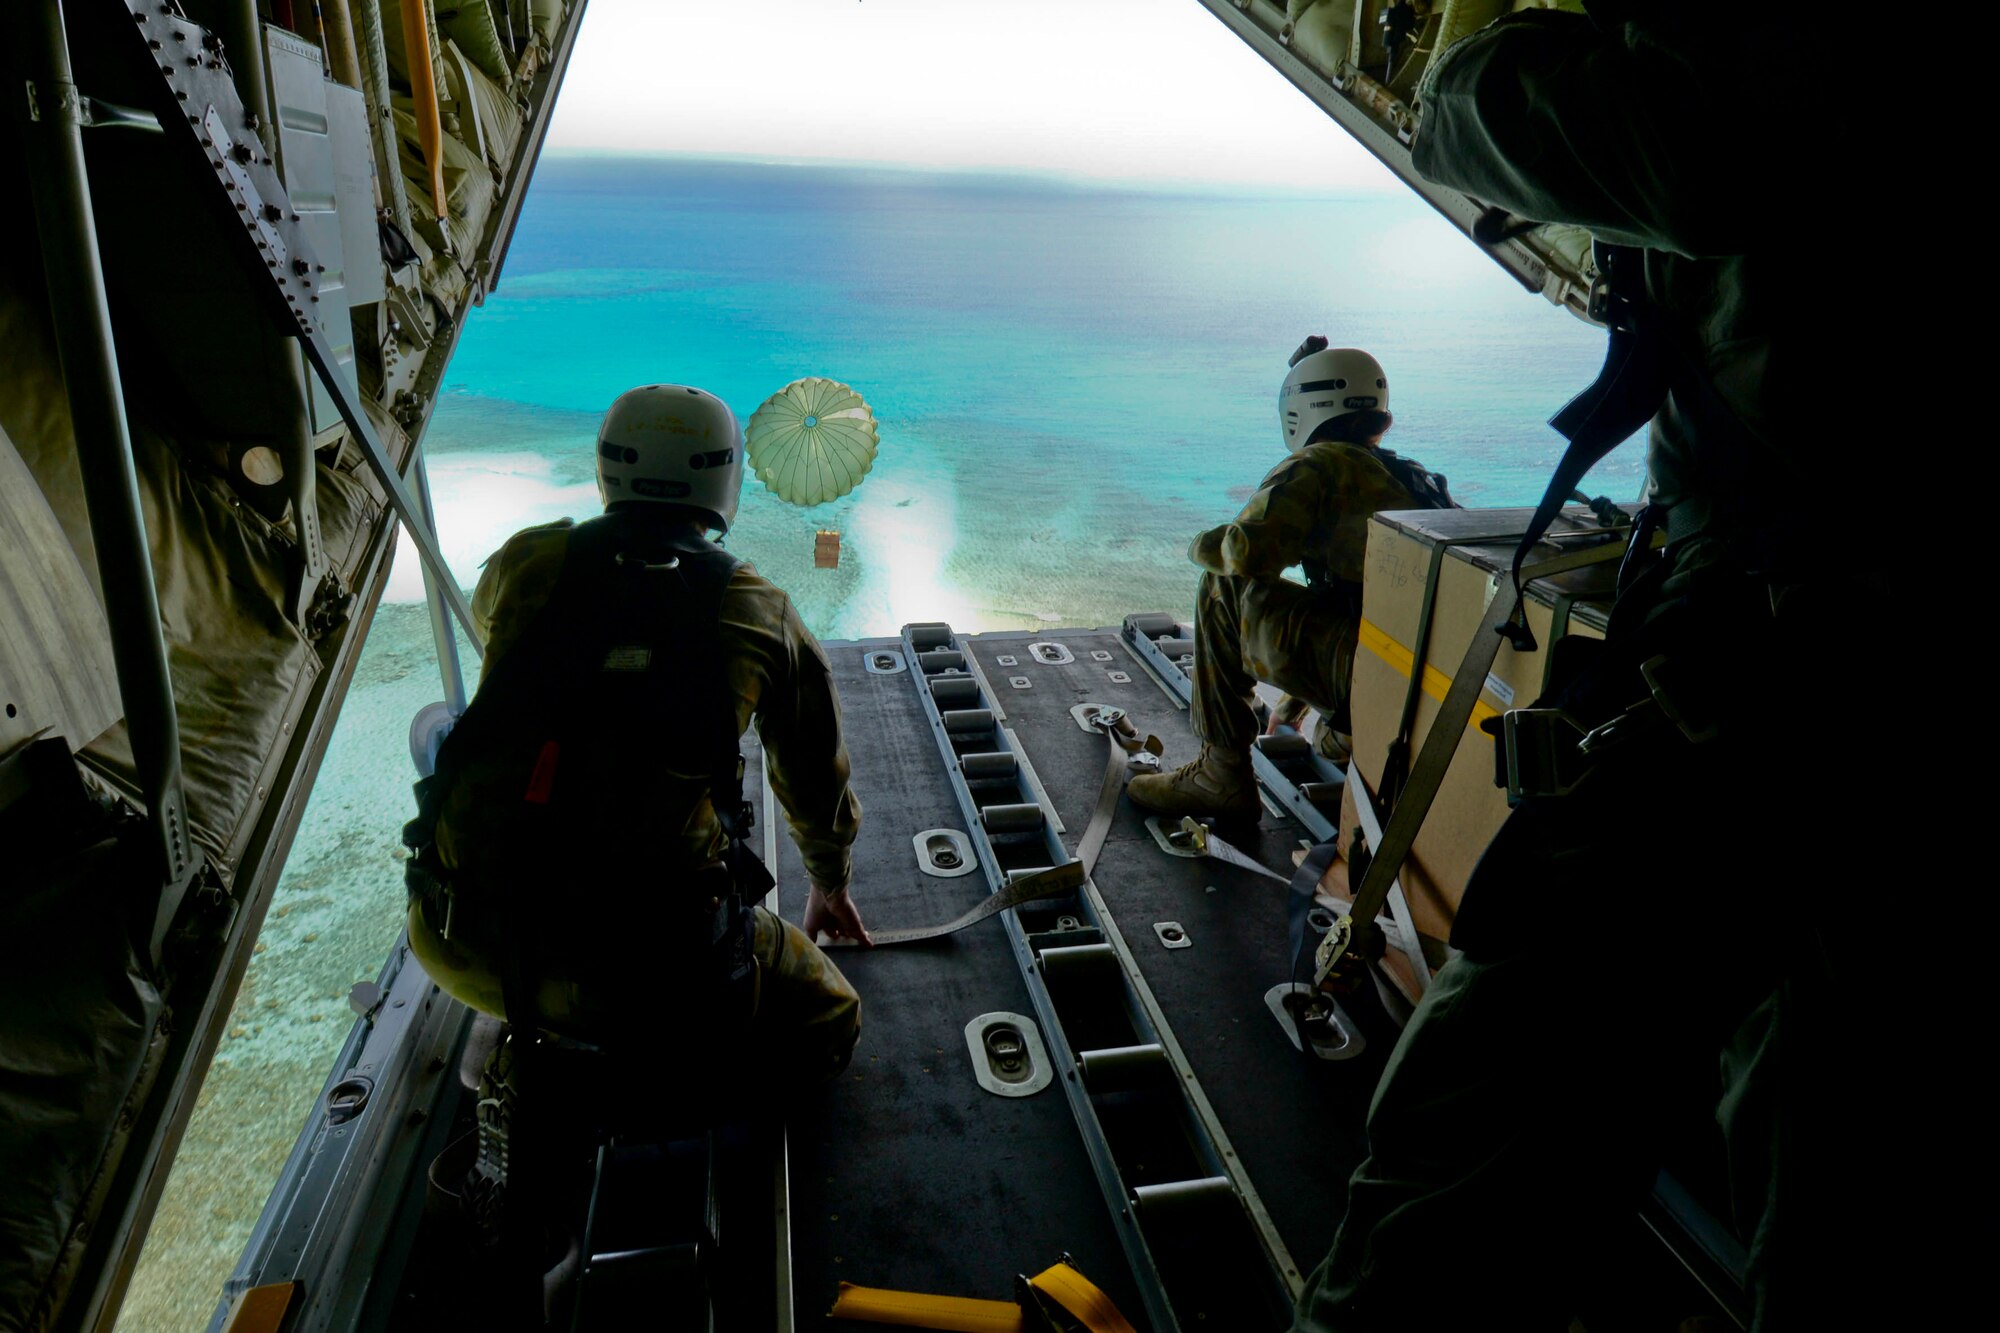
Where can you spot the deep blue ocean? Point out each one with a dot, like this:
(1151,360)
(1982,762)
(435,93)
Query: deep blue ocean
(1070,380)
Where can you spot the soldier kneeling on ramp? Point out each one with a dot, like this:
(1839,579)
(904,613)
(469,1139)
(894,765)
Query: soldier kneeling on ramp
(1253,624)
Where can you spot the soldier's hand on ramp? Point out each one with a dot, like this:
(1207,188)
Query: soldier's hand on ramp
(841,919)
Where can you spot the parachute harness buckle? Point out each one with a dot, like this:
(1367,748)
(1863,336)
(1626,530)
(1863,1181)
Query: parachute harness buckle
(1546,752)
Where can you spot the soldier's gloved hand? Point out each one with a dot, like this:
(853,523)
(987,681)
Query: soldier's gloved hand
(839,918)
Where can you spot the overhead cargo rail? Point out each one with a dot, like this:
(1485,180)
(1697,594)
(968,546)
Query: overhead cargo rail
(1336,53)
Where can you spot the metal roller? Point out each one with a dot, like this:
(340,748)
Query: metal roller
(955,691)
(1152,624)
(1322,793)
(960,721)
(1175,647)
(1024,818)
(941,659)
(995,766)
(1282,747)
(1183,1201)
(1125,1068)
(1078,962)
(931,634)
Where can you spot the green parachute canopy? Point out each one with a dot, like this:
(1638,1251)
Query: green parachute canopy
(812,441)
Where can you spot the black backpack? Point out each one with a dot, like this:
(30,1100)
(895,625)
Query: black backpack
(1426,487)
(553,771)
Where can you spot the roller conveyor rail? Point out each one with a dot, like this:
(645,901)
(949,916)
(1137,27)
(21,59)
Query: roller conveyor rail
(1305,785)
(1172,1183)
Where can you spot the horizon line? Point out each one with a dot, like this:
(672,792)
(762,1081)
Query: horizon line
(1071,179)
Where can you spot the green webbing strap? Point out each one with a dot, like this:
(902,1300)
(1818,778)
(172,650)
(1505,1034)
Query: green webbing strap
(1396,764)
(1439,747)
(1558,628)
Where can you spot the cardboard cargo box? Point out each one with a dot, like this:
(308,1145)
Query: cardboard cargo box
(1478,549)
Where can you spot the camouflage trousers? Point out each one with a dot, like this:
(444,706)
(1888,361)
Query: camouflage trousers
(1273,630)
(807,1015)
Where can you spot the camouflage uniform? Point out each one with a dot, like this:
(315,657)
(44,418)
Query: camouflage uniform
(808,1016)
(1252,624)
(1526,1110)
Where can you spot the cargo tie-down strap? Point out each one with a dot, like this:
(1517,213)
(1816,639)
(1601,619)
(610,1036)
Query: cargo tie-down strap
(1059,1283)
(1125,747)
(1044,884)
(1056,879)
(1435,759)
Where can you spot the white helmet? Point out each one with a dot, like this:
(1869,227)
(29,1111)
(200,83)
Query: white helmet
(1325,383)
(672,444)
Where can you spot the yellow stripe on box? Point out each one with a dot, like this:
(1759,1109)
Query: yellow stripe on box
(1436,683)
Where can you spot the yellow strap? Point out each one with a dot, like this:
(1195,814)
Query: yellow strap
(1436,683)
(955,1314)
(1078,1295)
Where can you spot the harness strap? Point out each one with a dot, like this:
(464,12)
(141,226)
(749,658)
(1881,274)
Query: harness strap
(597,588)
(1629,389)
(1447,729)
(1558,629)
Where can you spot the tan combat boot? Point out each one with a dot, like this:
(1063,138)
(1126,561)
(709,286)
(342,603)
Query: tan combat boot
(1218,783)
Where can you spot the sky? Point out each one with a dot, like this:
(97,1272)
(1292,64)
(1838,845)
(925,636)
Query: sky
(1145,91)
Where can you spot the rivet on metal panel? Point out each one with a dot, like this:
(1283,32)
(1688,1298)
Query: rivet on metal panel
(1020,682)
(1118,677)
(1007,661)
(1099,655)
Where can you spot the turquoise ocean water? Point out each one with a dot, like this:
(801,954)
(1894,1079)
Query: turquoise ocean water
(1071,380)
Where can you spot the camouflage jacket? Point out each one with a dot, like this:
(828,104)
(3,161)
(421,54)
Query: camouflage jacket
(780,678)
(1630,130)
(1312,510)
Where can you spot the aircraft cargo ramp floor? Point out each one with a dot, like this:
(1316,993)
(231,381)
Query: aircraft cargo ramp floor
(908,1174)
(1098,1072)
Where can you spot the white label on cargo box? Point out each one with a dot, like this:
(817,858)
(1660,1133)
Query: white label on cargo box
(1500,689)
